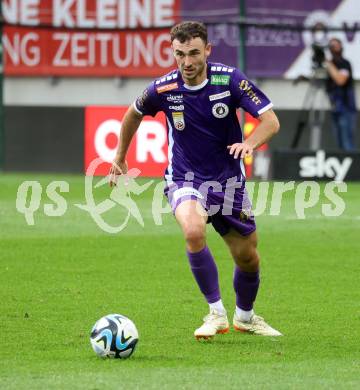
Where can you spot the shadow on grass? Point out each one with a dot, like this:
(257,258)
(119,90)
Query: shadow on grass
(139,358)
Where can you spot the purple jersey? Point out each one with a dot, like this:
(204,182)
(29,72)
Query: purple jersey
(202,121)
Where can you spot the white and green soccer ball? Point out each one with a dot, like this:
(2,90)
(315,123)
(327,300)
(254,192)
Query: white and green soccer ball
(114,336)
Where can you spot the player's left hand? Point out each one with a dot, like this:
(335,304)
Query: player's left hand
(241,149)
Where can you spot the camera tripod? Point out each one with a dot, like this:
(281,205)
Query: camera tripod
(312,114)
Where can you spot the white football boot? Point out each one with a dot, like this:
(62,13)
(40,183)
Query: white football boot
(215,322)
(256,325)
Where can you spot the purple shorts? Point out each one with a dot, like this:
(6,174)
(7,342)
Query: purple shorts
(227,208)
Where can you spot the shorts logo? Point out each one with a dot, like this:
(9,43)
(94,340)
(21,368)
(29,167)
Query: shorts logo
(243,216)
(177,108)
(167,87)
(219,95)
(179,122)
(220,110)
(220,79)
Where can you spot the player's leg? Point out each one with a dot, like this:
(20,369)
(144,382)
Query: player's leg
(246,283)
(192,218)
(246,275)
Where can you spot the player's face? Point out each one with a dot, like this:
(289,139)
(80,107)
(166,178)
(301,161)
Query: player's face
(191,59)
(335,47)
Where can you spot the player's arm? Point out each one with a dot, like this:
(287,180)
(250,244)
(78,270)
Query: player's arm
(269,125)
(250,98)
(339,76)
(130,124)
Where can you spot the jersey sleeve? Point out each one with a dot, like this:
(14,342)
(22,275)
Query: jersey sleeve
(248,96)
(344,67)
(148,102)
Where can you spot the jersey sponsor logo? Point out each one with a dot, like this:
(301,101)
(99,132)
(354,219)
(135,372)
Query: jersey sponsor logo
(175,98)
(166,87)
(177,108)
(244,85)
(220,79)
(220,110)
(179,122)
(320,166)
(219,95)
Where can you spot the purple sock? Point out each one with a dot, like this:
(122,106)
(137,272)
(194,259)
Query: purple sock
(205,272)
(246,285)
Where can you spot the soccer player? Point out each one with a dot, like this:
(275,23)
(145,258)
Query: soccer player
(205,179)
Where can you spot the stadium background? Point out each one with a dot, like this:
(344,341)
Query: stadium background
(63,272)
(59,59)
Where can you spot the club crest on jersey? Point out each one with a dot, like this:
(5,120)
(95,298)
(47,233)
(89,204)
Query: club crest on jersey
(179,122)
(220,110)
(220,79)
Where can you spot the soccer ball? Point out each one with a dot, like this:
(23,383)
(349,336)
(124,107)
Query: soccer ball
(114,336)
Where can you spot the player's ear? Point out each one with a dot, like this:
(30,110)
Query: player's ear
(208,48)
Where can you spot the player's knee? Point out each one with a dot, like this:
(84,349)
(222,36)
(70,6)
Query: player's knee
(194,234)
(248,260)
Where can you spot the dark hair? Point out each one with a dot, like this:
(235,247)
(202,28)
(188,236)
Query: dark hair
(185,31)
(336,40)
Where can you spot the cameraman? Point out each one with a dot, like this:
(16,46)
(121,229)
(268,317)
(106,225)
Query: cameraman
(340,88)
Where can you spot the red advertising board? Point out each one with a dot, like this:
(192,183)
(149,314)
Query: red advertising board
(148,149)
(82,38)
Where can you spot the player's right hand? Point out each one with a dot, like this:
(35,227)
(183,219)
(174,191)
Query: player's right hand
(117,168)
(241,149)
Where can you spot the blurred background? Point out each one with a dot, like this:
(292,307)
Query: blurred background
(71,67)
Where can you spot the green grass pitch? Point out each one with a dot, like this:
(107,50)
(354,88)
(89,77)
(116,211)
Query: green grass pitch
(62,274)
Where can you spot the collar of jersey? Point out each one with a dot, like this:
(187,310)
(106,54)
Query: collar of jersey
(196,87)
